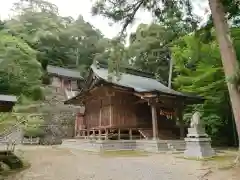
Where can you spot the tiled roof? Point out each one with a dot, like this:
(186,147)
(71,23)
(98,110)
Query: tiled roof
(136,82)
(64,72)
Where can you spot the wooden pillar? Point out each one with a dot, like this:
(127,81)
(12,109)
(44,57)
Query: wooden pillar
(100,114)
(181,123)
(94,135)
(84,133)
(110,111)
(106,134)
(130,134)
(88,132)
(154,121)
(99,134)
(110,94)
(119,134)
(76,125)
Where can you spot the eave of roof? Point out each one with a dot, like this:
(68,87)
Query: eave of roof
(8,98)
(64,72)
(7,102)
(138,83)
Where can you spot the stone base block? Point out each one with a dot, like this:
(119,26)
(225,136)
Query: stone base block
(198,148)
(81,144)
(199,133)
(152,145)
(177,145)
(113,145)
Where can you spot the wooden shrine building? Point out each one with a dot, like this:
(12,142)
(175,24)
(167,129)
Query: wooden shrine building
(7,102)
(64,79)
(133,106)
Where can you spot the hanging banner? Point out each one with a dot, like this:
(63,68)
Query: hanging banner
(168,113)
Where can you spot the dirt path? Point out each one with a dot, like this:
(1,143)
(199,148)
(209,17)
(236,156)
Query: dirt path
(59,164)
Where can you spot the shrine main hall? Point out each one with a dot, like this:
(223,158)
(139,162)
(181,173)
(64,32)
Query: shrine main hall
(130,108)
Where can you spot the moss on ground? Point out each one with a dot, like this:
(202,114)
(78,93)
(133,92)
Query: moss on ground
(217,158)
(8,172)
(11,172)
(220,161)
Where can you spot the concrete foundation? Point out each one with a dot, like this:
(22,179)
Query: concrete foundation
(198,148)
(113,145)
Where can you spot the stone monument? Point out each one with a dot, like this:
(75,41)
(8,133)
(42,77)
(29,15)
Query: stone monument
(198,144)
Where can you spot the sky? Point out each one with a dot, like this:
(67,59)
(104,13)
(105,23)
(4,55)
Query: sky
(83,7)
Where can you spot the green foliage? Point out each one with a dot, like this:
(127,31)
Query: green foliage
(33,132)
(170,12)
(149,48)
(20,71)
(236,40)
(149,45)
(117,57)
(59,41)
(6,120)
(199,69)
(33,127)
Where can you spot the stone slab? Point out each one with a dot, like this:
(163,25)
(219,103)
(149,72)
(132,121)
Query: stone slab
(198,149)
(113,145)
(152,145)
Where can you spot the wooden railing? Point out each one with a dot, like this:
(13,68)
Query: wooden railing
(31,140)
(146,133)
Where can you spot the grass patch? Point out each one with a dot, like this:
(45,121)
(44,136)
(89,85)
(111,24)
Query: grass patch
(7,172)
(123,153)
(11,172)
(217,158)
(223,161)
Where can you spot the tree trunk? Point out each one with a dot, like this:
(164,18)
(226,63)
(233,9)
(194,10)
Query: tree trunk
(228,55)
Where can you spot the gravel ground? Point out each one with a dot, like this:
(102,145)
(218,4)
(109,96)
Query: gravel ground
(60,164)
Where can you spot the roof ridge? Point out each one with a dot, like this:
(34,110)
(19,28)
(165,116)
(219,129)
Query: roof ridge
(66,72)
(75,69)
(129,70)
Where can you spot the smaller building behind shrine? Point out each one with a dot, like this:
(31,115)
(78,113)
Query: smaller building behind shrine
(59,119)
(63,79)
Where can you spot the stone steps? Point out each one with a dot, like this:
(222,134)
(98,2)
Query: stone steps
(177,145)
(85,145)
(108,145)
(162,134)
